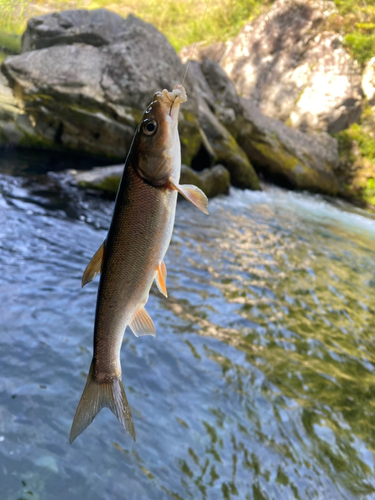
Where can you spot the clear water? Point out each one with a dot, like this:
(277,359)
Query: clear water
(259,385)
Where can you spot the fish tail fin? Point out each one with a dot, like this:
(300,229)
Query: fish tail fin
(96,396)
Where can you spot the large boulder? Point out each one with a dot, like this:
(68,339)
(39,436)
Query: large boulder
(294,71)
(214,103)
(303,161)
(280,153)
(90,98)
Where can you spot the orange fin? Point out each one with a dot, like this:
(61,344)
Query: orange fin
(142,324)
(94,266)
(192,194)
(160,278)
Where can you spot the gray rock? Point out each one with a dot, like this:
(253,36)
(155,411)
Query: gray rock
(200,52)
(294,72)
(92,27)
(226,150)
(213,181)
(221,86)
(93,98)
(105,179)
(15,125)
(219,143)
(305,161)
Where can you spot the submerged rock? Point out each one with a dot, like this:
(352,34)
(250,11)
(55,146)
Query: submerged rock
(294,71)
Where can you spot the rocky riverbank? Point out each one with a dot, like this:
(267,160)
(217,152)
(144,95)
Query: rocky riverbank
(83,79)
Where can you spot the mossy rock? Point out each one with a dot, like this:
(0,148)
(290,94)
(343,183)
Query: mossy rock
(212,181)
(190,136)
(357,160)
(285,155)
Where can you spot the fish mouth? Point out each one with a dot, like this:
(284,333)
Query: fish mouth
(177,96)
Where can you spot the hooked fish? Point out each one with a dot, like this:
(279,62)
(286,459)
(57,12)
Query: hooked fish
(132,255)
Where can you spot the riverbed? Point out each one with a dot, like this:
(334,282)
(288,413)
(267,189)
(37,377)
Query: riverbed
(260,381)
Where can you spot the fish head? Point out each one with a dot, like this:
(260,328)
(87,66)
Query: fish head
(157,143)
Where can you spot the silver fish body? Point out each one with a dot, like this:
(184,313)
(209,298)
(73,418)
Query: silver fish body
(132,255)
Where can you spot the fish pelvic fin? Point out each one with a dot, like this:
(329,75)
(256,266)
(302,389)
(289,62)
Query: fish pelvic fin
(193,194)
(97,395)
(94,266)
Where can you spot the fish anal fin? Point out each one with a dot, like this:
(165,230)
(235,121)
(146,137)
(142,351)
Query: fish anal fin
(160,278)
(94,266)
(95,397)
(142,324)
(192,194)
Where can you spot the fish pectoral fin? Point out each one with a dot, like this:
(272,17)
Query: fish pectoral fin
(192,194)
(142,324)
(94,266)
(160,278)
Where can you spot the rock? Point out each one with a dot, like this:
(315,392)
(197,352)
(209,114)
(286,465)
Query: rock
(93,98)
(15,125)
(304,161)
(93,27)
(227,151)
(293,71)
(99,178)
(356,171)
(212,181)
(226,101)
(220,145)
(368,81)
(200,52)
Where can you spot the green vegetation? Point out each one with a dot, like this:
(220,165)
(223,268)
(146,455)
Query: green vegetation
(357,155)
(363,133)
(223,19)
(356,23)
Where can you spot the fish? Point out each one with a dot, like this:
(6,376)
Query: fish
(131,257)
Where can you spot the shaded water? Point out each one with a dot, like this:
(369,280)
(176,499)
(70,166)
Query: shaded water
(260,383)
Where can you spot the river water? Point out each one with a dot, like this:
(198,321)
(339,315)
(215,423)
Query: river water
(259,385)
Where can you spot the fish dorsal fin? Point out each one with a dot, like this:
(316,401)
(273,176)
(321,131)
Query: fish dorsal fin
(94,266)
(161,278)
(192,194)
(142,324)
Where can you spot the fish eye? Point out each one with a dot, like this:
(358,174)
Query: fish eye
(149,127)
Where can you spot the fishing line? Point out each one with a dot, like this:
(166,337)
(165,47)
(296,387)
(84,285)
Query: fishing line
(195,43)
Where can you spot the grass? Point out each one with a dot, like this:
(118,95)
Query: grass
(179,20)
